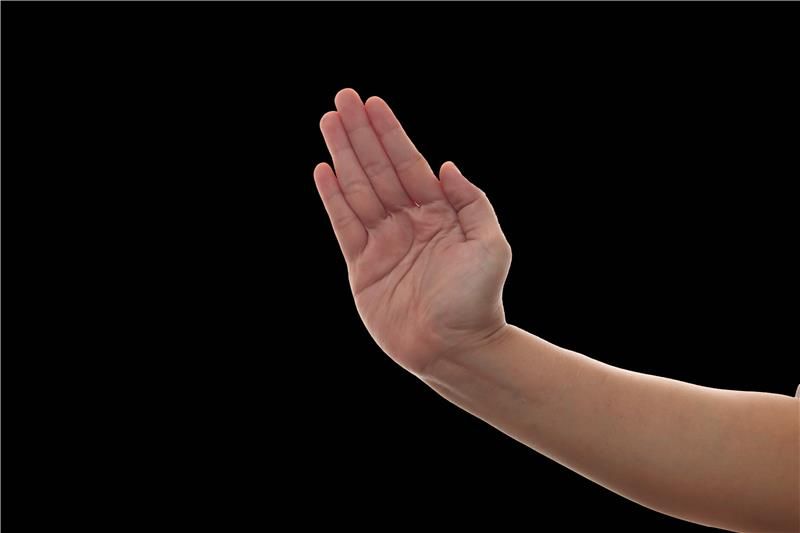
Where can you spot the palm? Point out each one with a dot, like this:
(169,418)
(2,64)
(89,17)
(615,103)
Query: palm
(411,283)
(426,273)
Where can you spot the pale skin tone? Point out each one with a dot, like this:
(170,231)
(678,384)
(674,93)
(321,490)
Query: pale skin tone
(427,260)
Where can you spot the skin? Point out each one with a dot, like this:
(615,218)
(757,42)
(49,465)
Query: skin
(427,261)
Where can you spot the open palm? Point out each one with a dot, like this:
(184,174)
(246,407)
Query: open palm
(426,257)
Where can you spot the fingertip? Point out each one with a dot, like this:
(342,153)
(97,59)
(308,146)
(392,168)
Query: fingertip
(377,106)
(449,167)
(319,168)
(322,170)
(323,173)
(324,179)
(327,118)
(375,100)
(380,114)
(345,96)
(449,171)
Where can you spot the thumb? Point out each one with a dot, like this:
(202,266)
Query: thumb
(475,213)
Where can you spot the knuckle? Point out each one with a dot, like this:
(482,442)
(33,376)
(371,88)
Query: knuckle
(500,246)
(375,167)
(342,221)
(357,188)
(411,162)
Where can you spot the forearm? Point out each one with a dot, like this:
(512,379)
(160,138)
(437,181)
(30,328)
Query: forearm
(717,457)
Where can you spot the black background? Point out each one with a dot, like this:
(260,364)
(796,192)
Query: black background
(187,339)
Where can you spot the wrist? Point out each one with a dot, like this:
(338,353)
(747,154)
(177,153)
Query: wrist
(481,345)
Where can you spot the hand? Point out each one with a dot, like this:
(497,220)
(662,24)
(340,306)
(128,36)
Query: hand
(426,258)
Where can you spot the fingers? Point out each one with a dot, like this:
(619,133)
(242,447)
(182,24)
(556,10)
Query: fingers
(475,213)
(352,181)
(350,233)
(414,172)
(374,161)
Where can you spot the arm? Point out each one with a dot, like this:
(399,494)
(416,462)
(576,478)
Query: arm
(721,458)
(427,261)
